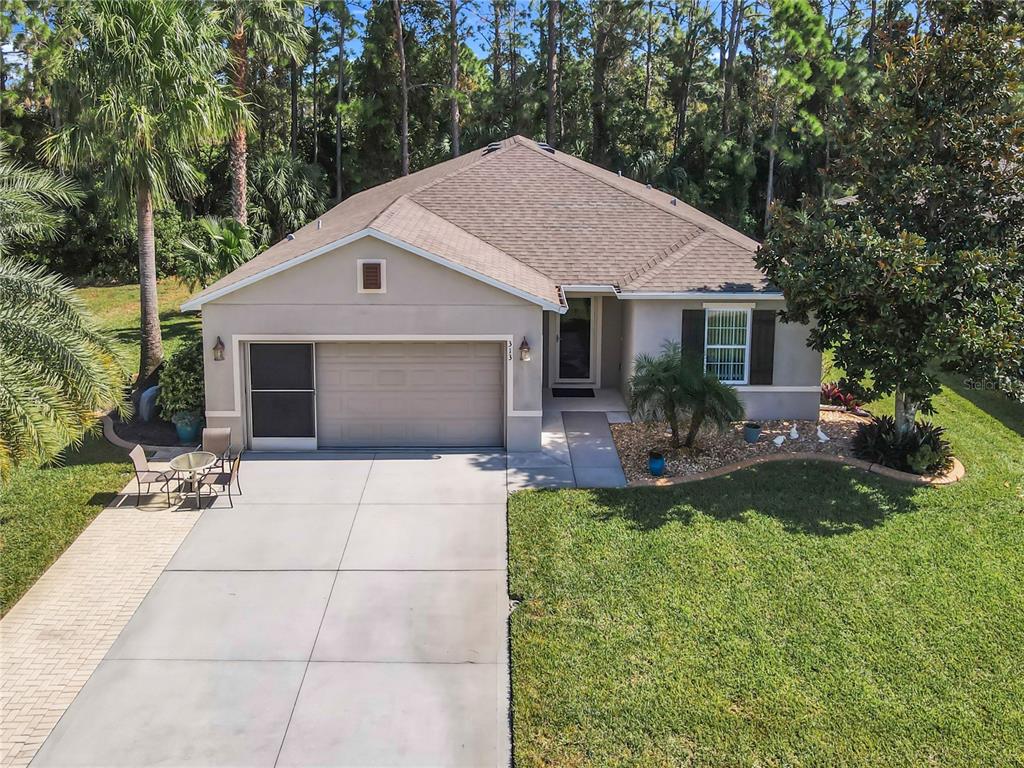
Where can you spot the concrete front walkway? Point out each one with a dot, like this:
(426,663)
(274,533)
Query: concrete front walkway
(351,610)
(577,449)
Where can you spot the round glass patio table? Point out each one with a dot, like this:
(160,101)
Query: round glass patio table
(193,463)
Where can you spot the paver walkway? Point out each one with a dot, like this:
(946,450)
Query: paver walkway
(351,610)
(52,640)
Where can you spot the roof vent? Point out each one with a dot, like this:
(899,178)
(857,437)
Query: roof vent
(319,223)
(494,146)
(648,186)
(620,173)
(673,201)
(546,147)
(290,236)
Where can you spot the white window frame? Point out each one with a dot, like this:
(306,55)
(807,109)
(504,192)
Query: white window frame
(749,310)
(383,275)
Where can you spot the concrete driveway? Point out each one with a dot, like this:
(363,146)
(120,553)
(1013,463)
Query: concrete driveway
(349,611)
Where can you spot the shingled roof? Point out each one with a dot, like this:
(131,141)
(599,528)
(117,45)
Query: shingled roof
(532,220)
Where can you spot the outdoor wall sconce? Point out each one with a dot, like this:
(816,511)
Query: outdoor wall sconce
(218,350)
(524,351)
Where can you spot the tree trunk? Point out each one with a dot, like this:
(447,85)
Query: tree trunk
(339,188)
(396,6)
(770,191)
(648,54)
(598,99)
(513,65)
(316,79)
(906,412)
(554,13)
(453,100)
(237,148)
(3,83)
(293,136)
(871,31)
(496,54)
(151,347)
(696,420)
(673,425)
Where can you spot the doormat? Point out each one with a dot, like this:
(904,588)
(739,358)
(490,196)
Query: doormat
(567,392)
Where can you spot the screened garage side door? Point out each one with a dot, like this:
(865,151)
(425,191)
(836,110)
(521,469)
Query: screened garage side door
(417,394)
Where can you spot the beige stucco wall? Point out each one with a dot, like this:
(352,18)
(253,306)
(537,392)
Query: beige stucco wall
(647,324)
(319,297)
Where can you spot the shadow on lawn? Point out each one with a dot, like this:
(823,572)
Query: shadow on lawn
(997,405)
(806,497)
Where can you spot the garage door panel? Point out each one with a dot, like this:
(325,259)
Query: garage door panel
(409,394)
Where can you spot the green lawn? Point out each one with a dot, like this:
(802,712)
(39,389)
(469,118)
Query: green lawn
(794,614)
(45,508)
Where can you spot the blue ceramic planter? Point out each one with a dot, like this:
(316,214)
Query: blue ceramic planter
(187,431)
(656,464)
(751,432)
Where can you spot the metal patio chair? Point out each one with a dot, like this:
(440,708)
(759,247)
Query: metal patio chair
(149,476)
(224,478)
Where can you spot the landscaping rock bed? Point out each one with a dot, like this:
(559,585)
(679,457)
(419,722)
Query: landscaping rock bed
(713,449)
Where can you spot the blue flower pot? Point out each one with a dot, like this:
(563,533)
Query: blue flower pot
(187,431)
(656,464)
(751,432)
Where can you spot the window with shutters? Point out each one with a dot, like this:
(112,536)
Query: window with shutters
(372,278)
(727,344)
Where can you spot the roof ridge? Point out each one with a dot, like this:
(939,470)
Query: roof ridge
(659,257)
(449,222)
(669,259)
(456,171)
(704,221)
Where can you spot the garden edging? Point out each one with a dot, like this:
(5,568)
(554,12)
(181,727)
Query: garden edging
(954,475)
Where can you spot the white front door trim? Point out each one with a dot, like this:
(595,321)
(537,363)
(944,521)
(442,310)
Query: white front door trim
(596,312)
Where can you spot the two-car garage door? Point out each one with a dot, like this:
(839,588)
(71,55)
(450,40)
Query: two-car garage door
(405,394)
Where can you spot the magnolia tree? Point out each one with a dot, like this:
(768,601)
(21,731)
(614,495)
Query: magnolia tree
(921,268)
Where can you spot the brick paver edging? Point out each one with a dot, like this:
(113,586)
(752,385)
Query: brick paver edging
(955,473)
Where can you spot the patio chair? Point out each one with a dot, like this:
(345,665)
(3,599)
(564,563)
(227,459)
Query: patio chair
(144,474)
(224,479)
(217,440)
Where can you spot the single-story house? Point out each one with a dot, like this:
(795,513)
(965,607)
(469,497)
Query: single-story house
(441,309)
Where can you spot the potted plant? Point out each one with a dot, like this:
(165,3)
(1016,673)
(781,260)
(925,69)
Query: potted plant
(181,390)
(656,463)
(751,432)
(187,425)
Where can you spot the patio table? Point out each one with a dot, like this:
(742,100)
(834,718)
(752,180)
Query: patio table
(193,463)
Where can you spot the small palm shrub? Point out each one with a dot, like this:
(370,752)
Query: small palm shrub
(670,385)
(921,450)
(181,381)
(227,246)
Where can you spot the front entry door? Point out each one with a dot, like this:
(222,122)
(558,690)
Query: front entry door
(575,342)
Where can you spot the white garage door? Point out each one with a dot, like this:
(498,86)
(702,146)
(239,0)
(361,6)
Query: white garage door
(397,394)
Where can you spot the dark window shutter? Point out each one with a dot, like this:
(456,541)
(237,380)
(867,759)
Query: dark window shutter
(762,346)
(693,331)
(371,277)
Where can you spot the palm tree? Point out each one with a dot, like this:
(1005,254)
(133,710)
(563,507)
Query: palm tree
(272,26)
(57,370)
(285,194)
(707,399)
(28,199)
(229,248)
(137,83)
(669,385)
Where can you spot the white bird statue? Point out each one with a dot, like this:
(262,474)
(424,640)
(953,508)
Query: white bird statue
(822,437)
(779,441)
(793,434)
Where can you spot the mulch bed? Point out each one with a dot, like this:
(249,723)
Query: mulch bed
(713,449)
(156,432)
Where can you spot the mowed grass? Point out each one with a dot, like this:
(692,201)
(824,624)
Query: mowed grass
(795,614)
(116,308)
(45,508)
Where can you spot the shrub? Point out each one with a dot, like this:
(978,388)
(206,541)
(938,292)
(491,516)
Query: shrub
(181,380)
(832,394)
(921,450)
